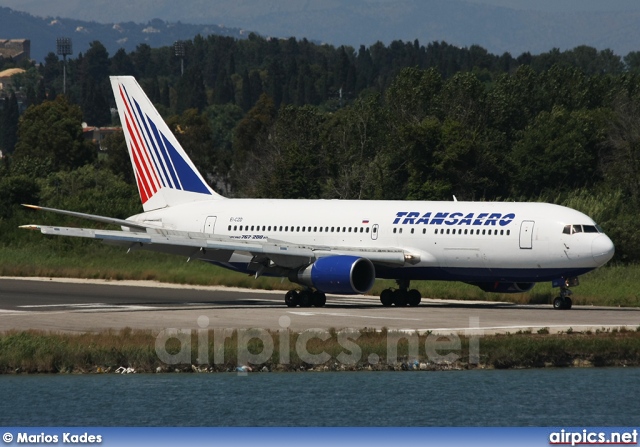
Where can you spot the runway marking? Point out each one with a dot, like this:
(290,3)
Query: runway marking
(82,305)
(88,307)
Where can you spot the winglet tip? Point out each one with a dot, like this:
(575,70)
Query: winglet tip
(30,227)
(35,207)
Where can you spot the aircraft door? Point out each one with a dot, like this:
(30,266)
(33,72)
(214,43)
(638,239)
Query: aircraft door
(374,232)
(210,225)
(526,234)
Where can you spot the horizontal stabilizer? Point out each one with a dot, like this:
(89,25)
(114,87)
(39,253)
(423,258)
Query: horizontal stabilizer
(103,219)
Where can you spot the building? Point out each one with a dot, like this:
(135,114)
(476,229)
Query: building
(5,76)
(98,134)
(17,49)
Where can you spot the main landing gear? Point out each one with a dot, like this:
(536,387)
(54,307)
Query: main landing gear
(305,298)
(401,296)
(563,301)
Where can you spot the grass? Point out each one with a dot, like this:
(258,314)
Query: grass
(615,285)
(46,352)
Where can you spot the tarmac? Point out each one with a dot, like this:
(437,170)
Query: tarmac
(73,305)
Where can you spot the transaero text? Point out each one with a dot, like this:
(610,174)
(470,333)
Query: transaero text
(457,218)
(64,438)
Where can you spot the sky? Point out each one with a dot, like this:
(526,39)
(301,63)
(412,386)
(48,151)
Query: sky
(565,5)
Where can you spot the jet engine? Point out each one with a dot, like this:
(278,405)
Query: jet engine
(337,274)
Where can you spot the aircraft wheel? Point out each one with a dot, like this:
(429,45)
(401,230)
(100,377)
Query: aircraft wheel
(413,297)
(306,298)
(568,303)
(399,298)
(557,303)
(292,298)
(319,299)
(386,297)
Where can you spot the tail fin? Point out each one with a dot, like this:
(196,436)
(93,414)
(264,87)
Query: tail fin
(164,173)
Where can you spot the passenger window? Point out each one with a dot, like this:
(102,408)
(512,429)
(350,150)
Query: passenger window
(412,231)
(229,228)
(367,231)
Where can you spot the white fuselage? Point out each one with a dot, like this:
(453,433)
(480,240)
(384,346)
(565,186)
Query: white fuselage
(466,241)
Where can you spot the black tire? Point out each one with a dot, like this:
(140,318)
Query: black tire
(414,297)
(399,298)
(292,298)
(557,303)
(306,298)
(386,297)
(319,299)
(568,303)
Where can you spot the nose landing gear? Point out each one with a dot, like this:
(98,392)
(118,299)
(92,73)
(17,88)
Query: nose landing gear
(563,302)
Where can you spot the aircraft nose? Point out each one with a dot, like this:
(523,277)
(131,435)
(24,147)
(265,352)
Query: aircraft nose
(602,249)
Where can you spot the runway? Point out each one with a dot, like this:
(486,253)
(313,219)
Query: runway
(95,305)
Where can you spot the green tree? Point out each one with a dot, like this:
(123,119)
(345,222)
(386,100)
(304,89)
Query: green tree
(50,139)
(9,128)
(558,152)
(95,85)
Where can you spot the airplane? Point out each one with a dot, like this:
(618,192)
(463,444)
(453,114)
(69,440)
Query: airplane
(338,246)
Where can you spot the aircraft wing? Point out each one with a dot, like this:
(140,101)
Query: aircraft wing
(266,253)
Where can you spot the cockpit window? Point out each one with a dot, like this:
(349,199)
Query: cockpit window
(573,229)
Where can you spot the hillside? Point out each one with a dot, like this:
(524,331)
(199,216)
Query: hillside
(458,22)
(43,32)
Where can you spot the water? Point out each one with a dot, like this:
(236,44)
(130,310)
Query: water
(542,397)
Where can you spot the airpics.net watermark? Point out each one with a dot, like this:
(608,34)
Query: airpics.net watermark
(257,346)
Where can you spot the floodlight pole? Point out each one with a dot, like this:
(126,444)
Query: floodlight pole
(64,47)
(178,48)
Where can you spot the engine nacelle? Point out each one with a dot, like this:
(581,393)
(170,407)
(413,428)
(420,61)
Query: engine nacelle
(505,287)
(337,274)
